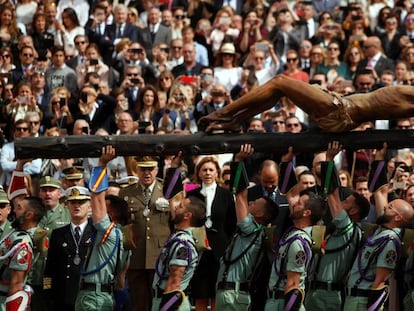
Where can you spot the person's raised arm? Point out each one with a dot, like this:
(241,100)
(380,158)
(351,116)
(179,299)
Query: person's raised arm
(378,182)
(330,178)
(99,183)
(246,151)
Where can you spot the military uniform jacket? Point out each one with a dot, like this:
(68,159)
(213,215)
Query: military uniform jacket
(5,229)
(55,218)
(337,261)
(364,267)
(61,277)
(106,256)
(293,254)
(16,253)
(151,232)
(241,270)
(176,253)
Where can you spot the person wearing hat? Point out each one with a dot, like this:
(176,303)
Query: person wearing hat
(67,252)
(190,67)
(106,256)
(227,72)
(73,176)
(149,215)
(55,216)
(5,209)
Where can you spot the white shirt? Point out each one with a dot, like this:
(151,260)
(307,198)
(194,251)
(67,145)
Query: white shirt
(82,227)
(209,191)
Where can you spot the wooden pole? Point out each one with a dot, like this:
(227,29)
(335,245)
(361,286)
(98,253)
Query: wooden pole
(203,143)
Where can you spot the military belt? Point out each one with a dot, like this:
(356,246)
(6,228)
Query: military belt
(356,292)
(107,288)
(158,292)
(243,287)
(277,294)
(326,286)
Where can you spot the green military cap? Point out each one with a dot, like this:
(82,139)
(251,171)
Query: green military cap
(3,197)
(77,193)
(73,172)
(147,161)
(48,181)
(127,181)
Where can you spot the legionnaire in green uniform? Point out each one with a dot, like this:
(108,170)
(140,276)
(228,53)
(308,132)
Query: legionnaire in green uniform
(5,209)
(294,253)
(177,261)
(56,216)
(367,285)
(16,251)
(106,255)
(238,262)
(341,244)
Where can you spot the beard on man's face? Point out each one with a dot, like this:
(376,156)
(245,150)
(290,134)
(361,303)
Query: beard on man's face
(383,219)
(18,222)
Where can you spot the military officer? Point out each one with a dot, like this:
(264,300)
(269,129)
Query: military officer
(237,263)
(5,209)
(177,261)
(67,252)
(16,251)
(106,255)
(73,176)
(341,244)
(367,287)
(149,212)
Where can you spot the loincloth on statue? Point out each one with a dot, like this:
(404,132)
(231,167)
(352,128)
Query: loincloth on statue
(337,120)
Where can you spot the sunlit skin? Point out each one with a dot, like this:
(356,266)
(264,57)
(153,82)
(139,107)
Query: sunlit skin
(50,196)
(147,175)
(78,210)
(208,173)
(4,212)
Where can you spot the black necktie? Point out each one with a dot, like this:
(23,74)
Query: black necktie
(77,234)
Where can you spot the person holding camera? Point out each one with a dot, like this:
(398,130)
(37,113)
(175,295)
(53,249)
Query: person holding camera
(92,63)
(252,32)
(132,84)
(178,117)
(216,99)
(88,109)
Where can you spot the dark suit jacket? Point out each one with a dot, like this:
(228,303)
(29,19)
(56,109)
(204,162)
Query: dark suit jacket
(182,70)
(163,35)
(382,64)
(223,216)
(64,274)
(130,31)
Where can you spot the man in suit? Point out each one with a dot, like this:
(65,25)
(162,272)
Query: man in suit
(121,28)
(155,33)
(374,59)
(149,214)
(190,67)
(23,70)
(216,100)
(67,253)
(308,25)
(81,42)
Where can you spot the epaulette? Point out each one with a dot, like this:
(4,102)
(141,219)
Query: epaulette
(128,237)
(318,239)
(200,239)
(41,241)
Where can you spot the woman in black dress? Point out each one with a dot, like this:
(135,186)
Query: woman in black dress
(220,226)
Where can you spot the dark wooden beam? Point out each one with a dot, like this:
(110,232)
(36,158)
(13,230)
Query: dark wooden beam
(202,143)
